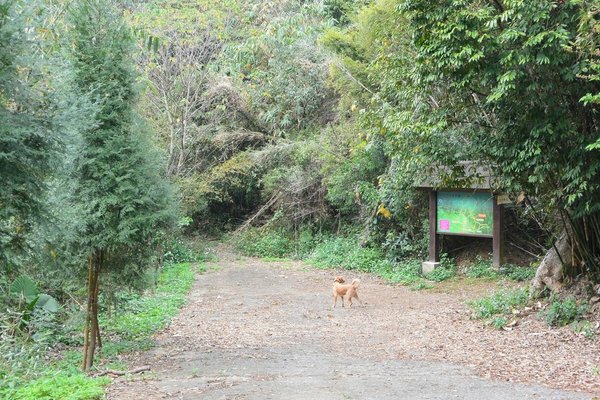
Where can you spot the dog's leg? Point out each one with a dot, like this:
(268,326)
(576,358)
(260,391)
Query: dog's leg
(359,300)
(334,301)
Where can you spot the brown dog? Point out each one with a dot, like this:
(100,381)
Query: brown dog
(345,290)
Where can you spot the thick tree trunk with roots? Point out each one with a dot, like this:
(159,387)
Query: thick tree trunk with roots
(575,253)
(550,272)
(91,330)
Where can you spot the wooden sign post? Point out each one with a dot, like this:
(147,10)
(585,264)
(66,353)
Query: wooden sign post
(474,213)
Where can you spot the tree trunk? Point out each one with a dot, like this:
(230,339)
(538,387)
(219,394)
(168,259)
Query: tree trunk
(95,309)
(550,272)
(91,332)
(88,313)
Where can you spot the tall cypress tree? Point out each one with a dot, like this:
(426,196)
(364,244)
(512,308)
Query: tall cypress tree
(119,189)
(27,138)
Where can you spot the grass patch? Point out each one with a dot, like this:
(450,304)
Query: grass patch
(201,268)
(62,386)
(264,243)
(406,272)
(483,269)
(500,303)
(345,253)
(276,243)
(499,322)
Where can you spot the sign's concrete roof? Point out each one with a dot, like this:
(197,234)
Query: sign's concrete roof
(464,175)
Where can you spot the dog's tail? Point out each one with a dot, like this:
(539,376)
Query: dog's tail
(355,282)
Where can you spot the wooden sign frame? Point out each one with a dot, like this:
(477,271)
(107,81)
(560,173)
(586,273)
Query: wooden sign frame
(497,231)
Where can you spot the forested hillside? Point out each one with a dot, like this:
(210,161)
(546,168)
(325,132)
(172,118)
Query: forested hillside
(289,128)
(293,121)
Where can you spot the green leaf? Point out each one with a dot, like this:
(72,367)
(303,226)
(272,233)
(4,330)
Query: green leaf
(24,286)
(48,303)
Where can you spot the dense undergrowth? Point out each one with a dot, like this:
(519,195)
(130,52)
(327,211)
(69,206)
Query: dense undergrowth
(47,364)
(330,251)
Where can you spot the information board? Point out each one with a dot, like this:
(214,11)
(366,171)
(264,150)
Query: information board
(464,213)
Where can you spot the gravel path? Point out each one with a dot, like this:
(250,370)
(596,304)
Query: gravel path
(266,330)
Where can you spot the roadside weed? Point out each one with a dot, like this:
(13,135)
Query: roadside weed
(500,303)
(499,322)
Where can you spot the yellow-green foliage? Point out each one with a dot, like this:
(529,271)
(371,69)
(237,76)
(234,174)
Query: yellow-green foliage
(369,39)
(217,183)
(186,16)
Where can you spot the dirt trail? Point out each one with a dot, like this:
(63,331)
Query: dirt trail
(265,330)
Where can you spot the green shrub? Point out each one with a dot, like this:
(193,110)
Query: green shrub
(306,243)
(563,312)
(502,302)
(19,357)
(440,274)
(399,246)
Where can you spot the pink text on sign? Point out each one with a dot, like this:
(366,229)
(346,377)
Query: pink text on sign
(444,225)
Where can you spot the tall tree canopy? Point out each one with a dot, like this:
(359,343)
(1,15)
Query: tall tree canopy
(122,196)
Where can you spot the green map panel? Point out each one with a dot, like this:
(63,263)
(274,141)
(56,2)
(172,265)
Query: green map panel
(465,213)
